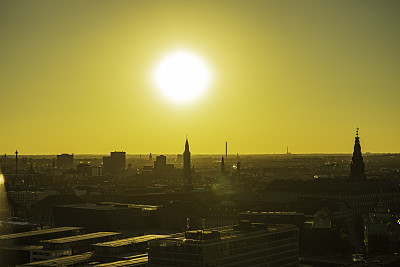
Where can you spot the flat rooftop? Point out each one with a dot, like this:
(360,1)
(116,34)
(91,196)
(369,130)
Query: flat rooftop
(139,260)
(75,238)
(99,206)
(273,213)
(21,247)
(229,232)
(128,241)
(38,232)
(63,261)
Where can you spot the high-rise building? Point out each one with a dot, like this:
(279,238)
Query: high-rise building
(160,165)
(65,161)
(357,163)
(115,164)
(187,170)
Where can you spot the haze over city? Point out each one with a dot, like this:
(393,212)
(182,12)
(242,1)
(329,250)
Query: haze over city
(78,76)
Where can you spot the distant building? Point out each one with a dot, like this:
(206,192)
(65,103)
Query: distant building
(223,166)
(96,171)
(65,161)
(238,168)
(99,217)
(245,244)
(115,164)
(187,170)
(160,166)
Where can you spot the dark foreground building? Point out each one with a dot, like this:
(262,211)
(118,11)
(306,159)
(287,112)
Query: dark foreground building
(100,216)
(246,244)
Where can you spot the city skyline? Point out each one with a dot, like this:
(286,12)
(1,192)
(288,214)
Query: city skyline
(76,76)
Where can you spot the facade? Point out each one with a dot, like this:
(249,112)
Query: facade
(245,244)
(65,161)
(28,198)
(99,217)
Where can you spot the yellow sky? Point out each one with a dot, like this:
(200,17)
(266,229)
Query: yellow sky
(75,76)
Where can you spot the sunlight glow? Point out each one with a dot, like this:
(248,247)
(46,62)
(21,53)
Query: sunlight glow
(182,77)
(1,179)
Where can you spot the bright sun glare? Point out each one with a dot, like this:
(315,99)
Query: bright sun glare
(182,77)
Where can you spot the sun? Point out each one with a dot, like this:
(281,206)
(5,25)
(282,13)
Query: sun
(182,77)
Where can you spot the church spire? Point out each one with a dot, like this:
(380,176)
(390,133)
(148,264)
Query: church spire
(187,172)
(187,145)
(357,163)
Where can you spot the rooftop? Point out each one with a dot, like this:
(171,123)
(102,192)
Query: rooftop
(100,206)
(128,241)
(38,232)
(273,213)
(69,239)
(227,232)
(63,261)
(139,260)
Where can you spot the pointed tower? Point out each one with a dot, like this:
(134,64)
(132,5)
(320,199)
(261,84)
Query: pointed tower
(357,163)
(187,172)
(16,163)
(222,166)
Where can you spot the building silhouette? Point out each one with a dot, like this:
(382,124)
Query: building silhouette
(222,166)
(65,161)
(187,170)
(238,169)
(160,165)
(357,167)
(114,164)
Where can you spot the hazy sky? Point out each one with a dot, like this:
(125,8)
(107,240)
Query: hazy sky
(75,76)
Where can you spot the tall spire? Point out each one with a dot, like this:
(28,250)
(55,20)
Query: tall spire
(187,172)
(357,166)
(187,145)
(16,163)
